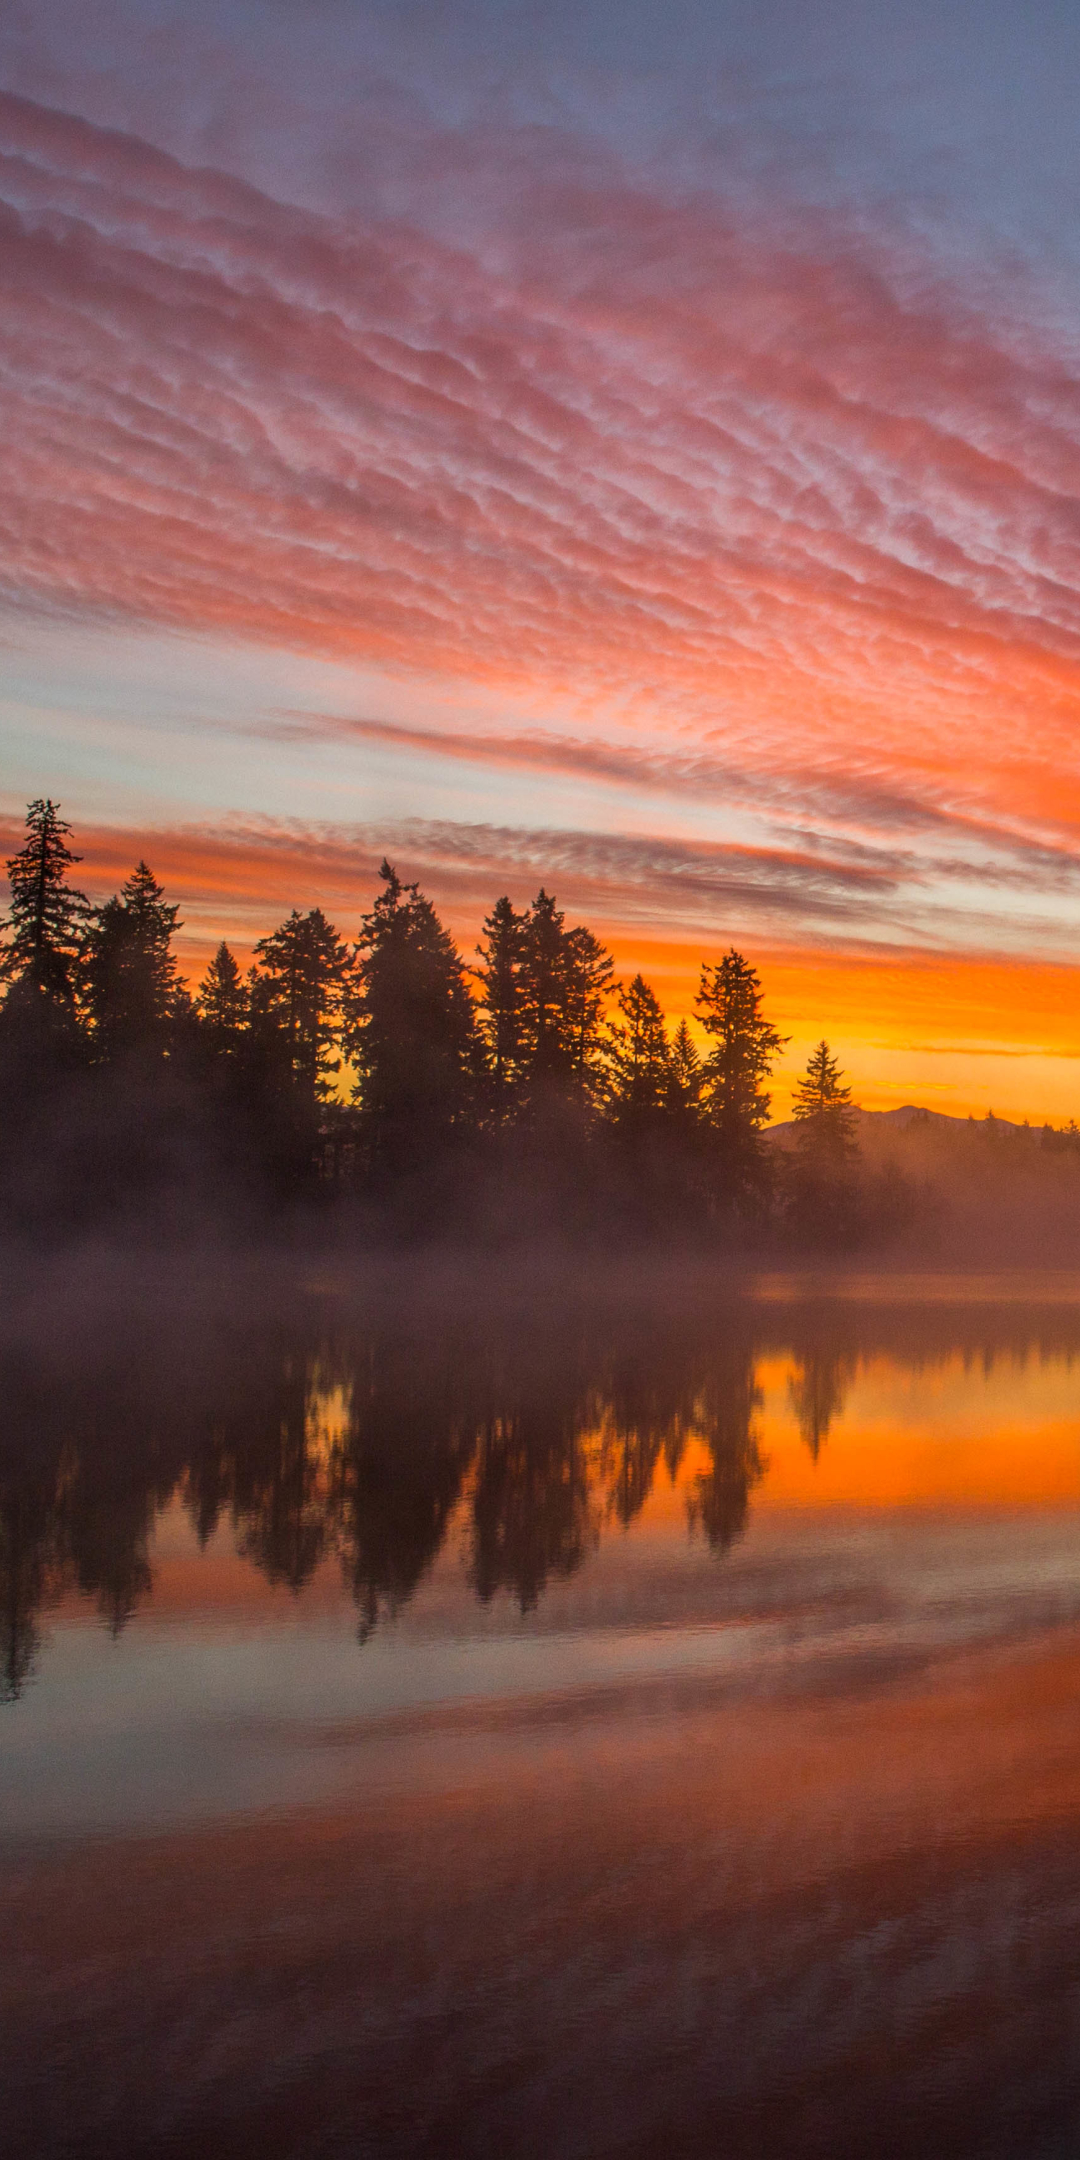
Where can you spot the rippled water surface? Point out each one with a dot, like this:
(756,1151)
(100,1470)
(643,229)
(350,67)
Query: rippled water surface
(457,1711)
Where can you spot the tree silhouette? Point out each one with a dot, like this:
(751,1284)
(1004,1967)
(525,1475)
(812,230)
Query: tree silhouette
(822,1189)
(133,992)
(822,1110)
(223,1003)
(501,1015)
(410,1030)
(47,916)
(685,1076)
(560,988)
(639,1061)
(295,998)
(734,1101)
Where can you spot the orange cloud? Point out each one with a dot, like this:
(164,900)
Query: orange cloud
(783,525)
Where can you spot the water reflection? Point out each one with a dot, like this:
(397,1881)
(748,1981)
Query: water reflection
(356,1431)
(817,1390)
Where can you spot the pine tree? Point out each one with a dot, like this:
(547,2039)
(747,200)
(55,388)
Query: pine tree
(501,1017)
(544,992)
(589,978)
(823,1112)
(47,917)
(734,1100)
(411,1029)
(566,978)
(821,1182)
(685,1077)
(295,996)
(223,1001)
(133,992)
(639,1059)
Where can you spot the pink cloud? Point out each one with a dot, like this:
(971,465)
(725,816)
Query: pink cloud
(797,511)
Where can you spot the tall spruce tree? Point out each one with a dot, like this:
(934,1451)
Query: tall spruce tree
(223,1003)
(132,987)
(734,1101)
(47,917)
(566,977)
(822,1111)
(822,1196)
(685,1078)
(410,1030)
(295,994)
(639,1061)
(501,1016)
(590,976)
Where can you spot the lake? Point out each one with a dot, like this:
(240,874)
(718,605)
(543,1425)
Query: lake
(518,1709)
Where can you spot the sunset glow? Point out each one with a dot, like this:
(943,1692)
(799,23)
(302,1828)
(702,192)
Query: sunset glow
(483,444)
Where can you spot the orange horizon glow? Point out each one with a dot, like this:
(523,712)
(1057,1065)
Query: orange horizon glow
(961,1033)
(719,573)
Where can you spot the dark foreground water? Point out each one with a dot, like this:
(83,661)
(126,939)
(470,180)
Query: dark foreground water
(460,1713)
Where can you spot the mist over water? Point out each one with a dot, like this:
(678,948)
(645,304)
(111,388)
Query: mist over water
(538,1707)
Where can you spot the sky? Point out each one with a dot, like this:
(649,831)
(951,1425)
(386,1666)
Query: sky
(624,447)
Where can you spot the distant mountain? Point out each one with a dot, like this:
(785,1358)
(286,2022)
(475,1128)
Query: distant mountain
(901,1118)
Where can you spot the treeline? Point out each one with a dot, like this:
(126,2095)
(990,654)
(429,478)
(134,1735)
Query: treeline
(391,1068)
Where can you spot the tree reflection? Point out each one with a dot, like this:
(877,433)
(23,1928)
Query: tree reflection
(279,1495)
(534,1513)
(28,1570)
(817,1391)
(399,1473)
(719,1498)
(317,1437)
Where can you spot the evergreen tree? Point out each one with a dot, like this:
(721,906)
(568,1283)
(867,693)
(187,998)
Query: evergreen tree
(590,974)
(544,999)
(823,1113)
(734,1100)
(296,996)
(501,1017)
(566,978)
(685,1077)
(132,988)
(223,1002)
(639,1060)
(411,1029)
(47,916)
(822,1186)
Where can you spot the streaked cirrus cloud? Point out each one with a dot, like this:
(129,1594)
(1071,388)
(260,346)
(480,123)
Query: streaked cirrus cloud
(740,500)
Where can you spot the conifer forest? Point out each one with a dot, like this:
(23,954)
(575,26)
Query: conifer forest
(517,1090)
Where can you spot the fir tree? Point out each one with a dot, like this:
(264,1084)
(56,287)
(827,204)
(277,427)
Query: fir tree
(822,1184)
(589,978)
(133,992)
(566,978)
(823,1113)
(223,1001)
(47,916)
(411,1029)
(639,1059)
(501,1017)
(685,1077)
(734,1100)
(296,995)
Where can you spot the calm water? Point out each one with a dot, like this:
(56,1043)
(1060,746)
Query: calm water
(456,1714)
